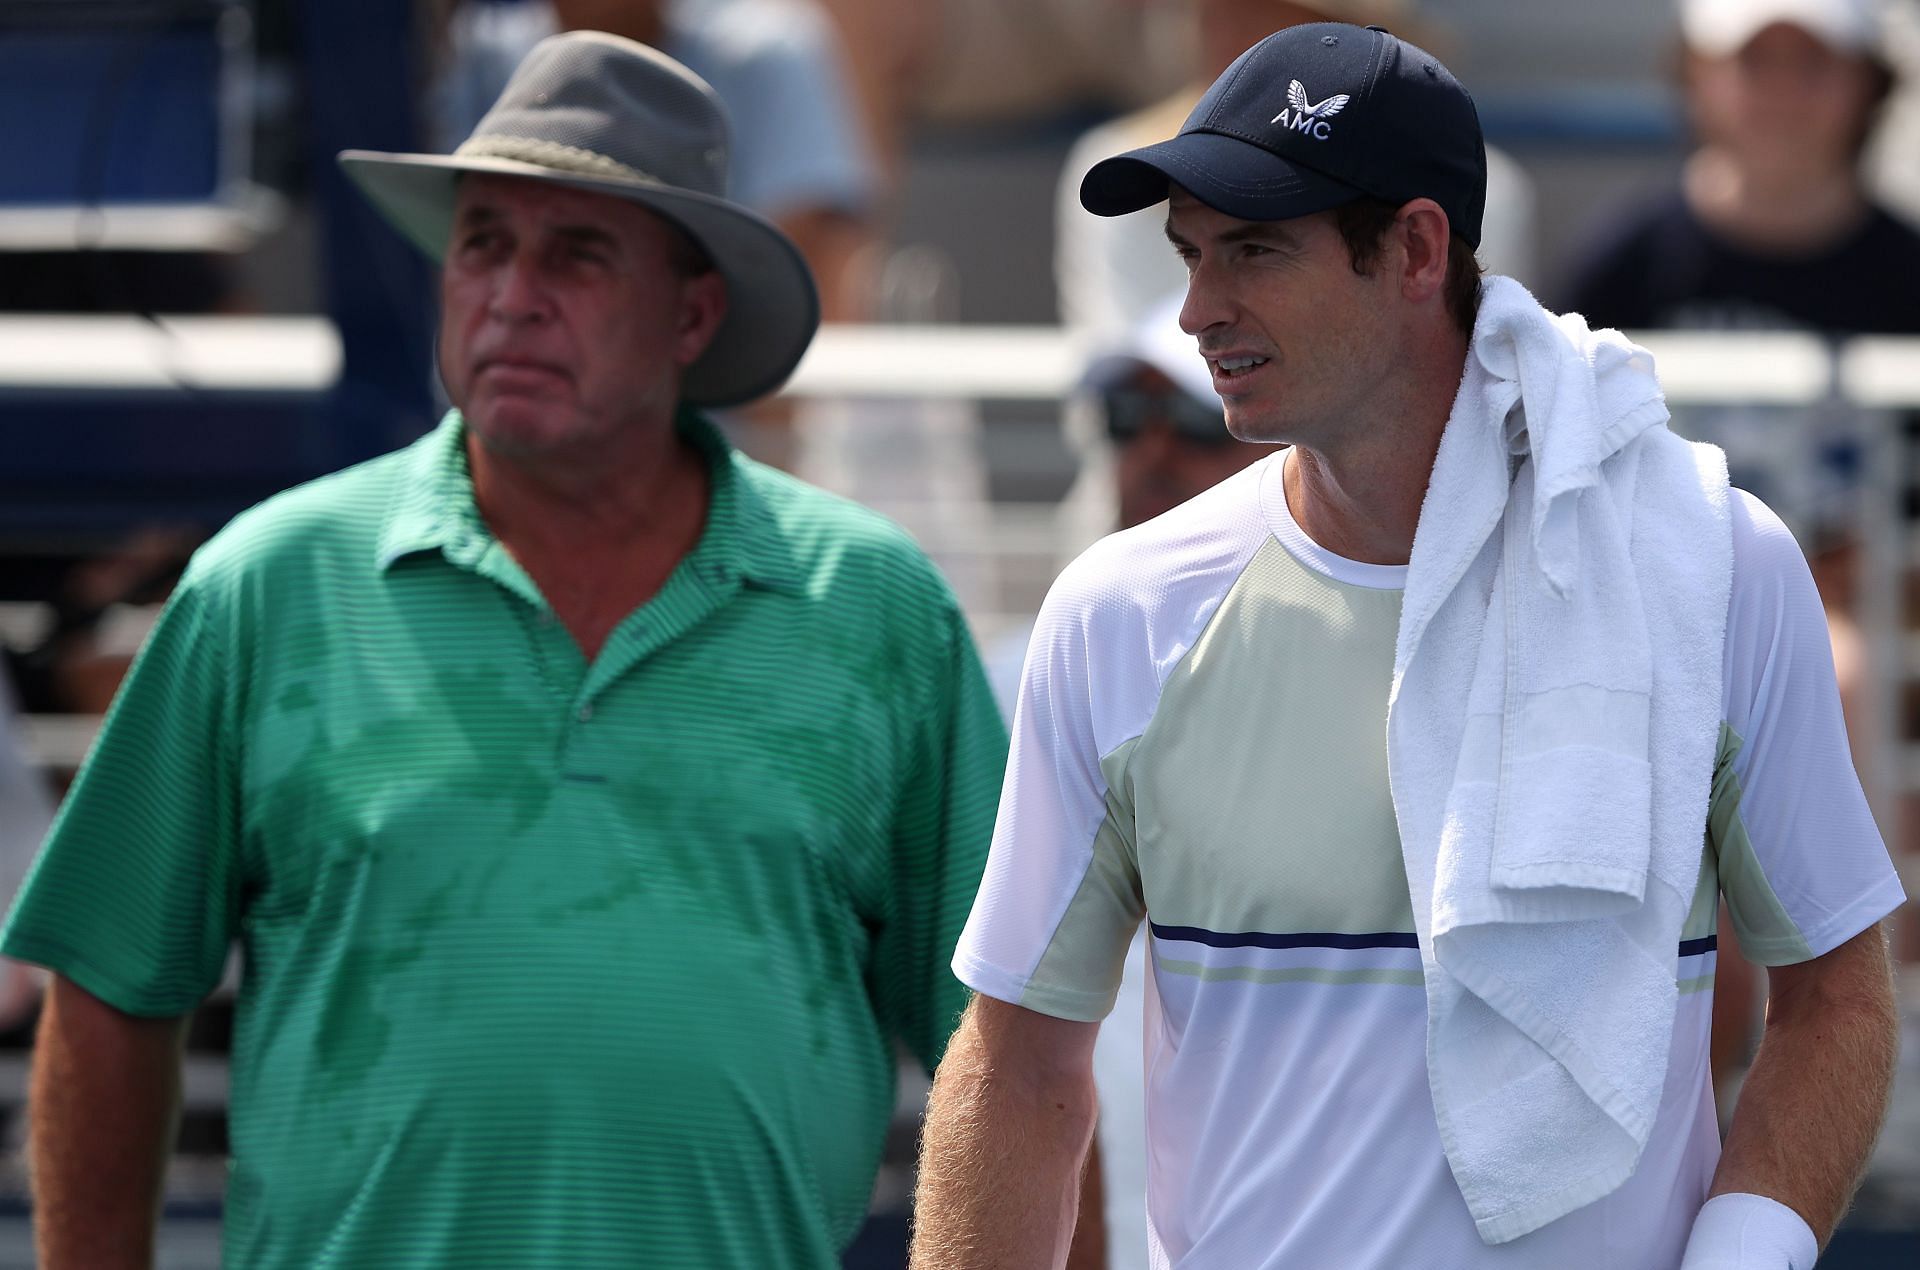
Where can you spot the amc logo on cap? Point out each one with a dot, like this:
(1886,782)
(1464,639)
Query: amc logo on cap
(1301,117)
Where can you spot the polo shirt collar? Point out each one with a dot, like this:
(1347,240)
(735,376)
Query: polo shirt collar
(433,509)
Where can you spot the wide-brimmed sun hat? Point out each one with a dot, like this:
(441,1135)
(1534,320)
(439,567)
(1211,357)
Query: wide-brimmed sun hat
(607,115)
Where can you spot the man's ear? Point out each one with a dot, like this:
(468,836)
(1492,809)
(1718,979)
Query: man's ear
(703,306)
(1425,236)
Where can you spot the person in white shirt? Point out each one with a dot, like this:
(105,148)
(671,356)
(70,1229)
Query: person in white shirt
(1370,735)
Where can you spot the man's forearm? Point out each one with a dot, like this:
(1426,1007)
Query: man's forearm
(1089,1250)
(104,1095)
(1817,1093)
(1000,1164)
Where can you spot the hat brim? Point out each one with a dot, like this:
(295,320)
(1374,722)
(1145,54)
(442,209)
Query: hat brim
(773,307)
(1224,172)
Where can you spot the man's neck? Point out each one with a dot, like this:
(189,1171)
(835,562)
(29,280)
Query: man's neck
(599,533)
(1785,210)
(613,496)
(1362,498)
(1362,511)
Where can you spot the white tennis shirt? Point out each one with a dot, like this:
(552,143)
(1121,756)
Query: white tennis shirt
(1200,740)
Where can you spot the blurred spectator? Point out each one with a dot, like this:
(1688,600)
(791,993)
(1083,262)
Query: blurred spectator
(25,812)
(995,62)
(1771,226)
(1894,158)
(1110,270)
(1146,406)
(77,665)
(1154,402)
(799,157)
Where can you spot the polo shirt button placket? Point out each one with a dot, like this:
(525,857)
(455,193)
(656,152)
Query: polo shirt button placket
(585,713)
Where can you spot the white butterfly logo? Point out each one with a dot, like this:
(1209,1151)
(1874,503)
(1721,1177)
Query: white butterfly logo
(1297,98)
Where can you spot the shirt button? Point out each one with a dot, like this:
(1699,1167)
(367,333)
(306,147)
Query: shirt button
(585,713)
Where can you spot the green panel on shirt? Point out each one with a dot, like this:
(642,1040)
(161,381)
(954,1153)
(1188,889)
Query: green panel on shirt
(545,964)
(1768,936)
(1090,944)
(1262,791)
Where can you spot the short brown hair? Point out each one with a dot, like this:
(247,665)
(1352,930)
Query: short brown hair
(1363,225)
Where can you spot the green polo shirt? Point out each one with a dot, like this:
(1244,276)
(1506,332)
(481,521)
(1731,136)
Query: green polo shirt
(545,963)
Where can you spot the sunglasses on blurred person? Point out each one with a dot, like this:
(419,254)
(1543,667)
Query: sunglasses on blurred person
(1129,409)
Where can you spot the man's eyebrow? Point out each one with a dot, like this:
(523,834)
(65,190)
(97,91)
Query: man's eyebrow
(585,235)
(1264,230)
(1272,231)
(480,216)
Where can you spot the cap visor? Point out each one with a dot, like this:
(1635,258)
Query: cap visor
(1226,173)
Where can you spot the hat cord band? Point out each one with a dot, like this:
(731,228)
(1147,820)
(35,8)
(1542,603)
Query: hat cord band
(550,154)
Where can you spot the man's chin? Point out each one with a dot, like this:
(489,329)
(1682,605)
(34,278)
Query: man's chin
(1255,431)
(514,428)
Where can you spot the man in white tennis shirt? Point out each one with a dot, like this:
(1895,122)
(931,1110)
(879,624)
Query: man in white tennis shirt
(1425,748)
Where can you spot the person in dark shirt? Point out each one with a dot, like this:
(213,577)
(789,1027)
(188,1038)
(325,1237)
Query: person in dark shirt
(1771,227)
(1670,269)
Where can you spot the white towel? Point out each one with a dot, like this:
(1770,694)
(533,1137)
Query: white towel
(1555,711)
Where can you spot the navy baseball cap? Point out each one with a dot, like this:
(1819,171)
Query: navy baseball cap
(1307,119)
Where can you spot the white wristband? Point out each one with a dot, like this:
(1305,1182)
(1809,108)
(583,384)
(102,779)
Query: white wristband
(1738,1231)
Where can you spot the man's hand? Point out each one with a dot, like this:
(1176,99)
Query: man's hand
(1816,1095)
(105,1090)
(1008,1126)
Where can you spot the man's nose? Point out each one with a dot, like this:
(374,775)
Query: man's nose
(519,294)
(1206,304)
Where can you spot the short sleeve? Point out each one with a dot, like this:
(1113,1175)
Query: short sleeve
(943,821)
(1801,862)
(135,896)
(1061,897)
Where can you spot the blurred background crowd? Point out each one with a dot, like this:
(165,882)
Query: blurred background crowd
(195,311)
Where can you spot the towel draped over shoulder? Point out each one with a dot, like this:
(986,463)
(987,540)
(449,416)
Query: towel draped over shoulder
(1555,711)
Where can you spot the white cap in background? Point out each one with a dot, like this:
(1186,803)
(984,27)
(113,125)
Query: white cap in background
(1156,341)
(1721,28)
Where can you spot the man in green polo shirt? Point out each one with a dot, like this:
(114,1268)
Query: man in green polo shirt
(591,807)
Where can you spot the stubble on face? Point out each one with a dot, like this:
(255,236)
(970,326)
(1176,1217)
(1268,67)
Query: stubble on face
(561,312)
(1296,339)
